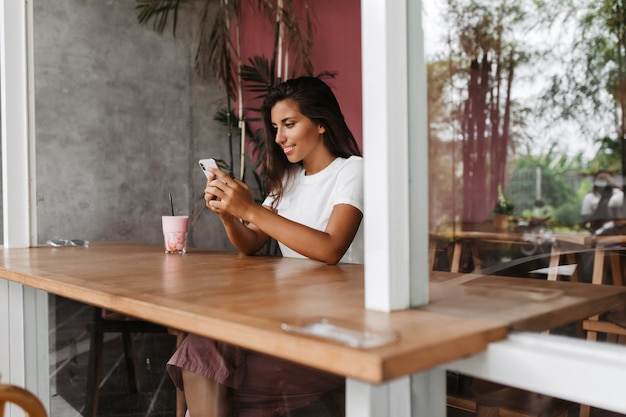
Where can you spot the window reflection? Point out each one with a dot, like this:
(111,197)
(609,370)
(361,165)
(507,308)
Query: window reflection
(526,108)
(515,102)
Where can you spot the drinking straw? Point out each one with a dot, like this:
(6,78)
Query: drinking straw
(171,204)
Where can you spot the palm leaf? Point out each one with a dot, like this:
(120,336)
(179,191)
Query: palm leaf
(225,116)
(326,74)
(297,41)
(258,75)
(158,10)
(213,56)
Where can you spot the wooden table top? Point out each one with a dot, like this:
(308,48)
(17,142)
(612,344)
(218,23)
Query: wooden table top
(244,300)
(524,304)
(581,239)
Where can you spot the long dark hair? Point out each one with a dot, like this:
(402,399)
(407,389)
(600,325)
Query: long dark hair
(316,101)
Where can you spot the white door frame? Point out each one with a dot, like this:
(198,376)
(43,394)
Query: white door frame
(24,354)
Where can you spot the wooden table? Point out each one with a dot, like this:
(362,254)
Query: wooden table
(523,304)
(560,243)
(244,300)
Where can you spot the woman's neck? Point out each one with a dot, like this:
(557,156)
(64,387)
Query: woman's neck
(316,163)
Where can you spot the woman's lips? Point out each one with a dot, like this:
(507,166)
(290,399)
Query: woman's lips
(288,149)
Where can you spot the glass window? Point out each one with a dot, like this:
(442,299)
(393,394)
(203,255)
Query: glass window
(526,124)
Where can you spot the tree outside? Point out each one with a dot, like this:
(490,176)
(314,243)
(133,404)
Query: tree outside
(520,87)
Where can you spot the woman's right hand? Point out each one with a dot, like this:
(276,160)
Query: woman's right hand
(208,195)
(212,184)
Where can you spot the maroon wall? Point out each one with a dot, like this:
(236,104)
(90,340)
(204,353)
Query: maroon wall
(336,48)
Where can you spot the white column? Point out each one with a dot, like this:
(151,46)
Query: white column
(385,149)
(386,220)
(384,400)
(396,195)
(23,310)
(17,107)
(418,156)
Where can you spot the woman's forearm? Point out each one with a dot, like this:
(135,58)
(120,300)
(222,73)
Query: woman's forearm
(326,246)
(245,238)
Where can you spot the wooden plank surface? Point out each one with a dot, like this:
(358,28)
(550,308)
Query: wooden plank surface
(524,304)
(245,300)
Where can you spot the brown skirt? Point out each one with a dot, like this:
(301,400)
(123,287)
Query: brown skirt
(262,385)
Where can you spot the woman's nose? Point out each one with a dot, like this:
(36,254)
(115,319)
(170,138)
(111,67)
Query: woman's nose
(280,138)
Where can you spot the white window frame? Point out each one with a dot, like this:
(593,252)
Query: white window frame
(24,354)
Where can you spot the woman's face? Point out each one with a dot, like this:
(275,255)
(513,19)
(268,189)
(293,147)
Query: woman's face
(297,135)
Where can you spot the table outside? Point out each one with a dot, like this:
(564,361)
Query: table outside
(470,237)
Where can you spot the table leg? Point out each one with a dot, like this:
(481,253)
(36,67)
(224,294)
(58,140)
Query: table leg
(616,268)
(478,264)
(456,256)
(598,266)
(597,278)
(555,258)
(571,260)
(432,252)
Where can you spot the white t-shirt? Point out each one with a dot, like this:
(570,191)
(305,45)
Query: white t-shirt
(309,200)
(591,201)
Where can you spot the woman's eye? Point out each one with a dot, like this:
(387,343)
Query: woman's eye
(290,124)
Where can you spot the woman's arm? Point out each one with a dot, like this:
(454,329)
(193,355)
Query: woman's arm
(247,238)
(234,199)
(327,246)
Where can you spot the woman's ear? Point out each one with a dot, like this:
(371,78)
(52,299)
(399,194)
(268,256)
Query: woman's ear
(321,129)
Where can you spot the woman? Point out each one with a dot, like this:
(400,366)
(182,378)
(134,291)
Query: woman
(314,210)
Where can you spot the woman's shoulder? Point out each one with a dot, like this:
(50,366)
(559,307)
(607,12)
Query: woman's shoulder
(355,159)
(354,162)
(350,170)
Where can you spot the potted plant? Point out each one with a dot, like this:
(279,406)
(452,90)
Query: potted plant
(503,210)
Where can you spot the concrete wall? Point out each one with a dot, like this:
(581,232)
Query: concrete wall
(121,121)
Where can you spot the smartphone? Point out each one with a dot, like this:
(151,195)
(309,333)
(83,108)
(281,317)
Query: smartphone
(206,164)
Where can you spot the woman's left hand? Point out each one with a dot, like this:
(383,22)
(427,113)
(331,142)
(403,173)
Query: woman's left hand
(233,196)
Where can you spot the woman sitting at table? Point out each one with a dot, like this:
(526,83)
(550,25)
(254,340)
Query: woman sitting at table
(314,171)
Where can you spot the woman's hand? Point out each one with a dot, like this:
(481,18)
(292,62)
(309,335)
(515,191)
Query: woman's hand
(225,195)
(208,195)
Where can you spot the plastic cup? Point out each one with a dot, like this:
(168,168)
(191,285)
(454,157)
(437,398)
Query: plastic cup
(175,233)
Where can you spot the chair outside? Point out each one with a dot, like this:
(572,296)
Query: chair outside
(613,324)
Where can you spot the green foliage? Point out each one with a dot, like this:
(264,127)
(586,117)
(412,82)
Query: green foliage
(568,214)
(596,66)
(561,198)
(608,156)
(503,204)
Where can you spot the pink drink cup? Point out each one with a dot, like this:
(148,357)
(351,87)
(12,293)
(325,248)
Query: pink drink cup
(175,233)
